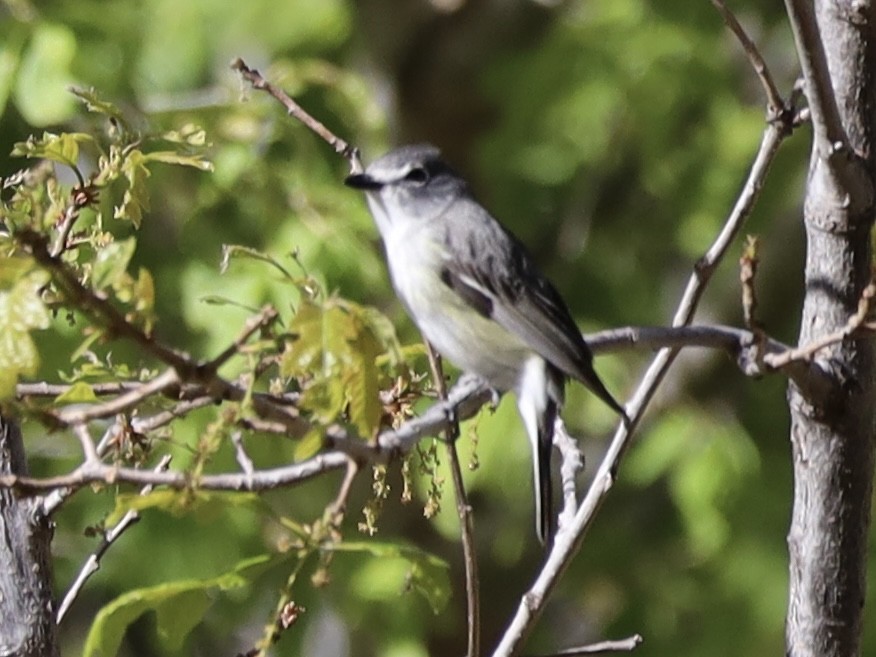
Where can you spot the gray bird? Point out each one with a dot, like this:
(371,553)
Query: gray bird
(476,295)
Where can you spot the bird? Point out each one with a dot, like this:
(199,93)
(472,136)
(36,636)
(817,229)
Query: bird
(477,296)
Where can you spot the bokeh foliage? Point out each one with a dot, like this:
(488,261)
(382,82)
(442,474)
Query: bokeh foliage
(618,134)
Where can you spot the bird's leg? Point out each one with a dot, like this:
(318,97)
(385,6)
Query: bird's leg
(452,421)
(495,398)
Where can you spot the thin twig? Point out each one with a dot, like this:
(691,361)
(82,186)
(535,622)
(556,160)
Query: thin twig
(775,104)
(341,147)
(92,565)
(603,647)
(87,442)
(100,309)
(80,197)
(80,414)
(463,510)
(340,504)
(830,136)
(243,459)
(255,323)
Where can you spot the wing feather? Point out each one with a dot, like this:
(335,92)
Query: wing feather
(501,282)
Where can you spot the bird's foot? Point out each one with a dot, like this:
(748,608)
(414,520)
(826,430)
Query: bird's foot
(452,418)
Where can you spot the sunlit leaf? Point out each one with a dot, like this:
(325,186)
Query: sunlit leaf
(78,393)
(21,311)
(111,263)
(136,197)
(63,148)
(309,445)
(179,607)
(170,157)
(191,134)
(424,572)
(231,251)
(176,502)
(94,103)
(361,377)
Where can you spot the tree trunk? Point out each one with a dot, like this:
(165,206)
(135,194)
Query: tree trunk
(27,611)
(832,425)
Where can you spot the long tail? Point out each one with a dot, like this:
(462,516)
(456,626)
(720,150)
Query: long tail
(538,399)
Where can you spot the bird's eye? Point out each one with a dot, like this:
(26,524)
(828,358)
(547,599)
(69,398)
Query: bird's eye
(417,175)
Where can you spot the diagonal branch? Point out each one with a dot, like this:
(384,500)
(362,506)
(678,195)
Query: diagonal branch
(775,104)
(92,564)
(341,147)
(568,542)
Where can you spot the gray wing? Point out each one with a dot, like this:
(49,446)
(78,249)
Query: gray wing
(499,280)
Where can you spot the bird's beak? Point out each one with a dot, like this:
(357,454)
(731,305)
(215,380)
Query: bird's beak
(363,181)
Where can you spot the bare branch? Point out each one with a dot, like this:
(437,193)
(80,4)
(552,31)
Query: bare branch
(240,454)
(255,323)
(92,565)
(603,647)
(775,104)
(87,443)
(80,414)
(80,197)
(341,147)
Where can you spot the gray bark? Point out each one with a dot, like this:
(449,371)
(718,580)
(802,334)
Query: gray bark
(27,615)
(832,425)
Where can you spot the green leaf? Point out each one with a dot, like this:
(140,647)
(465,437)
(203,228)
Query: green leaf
(111,263)
(191,134)
(136,198)
(231,251)
(79,393)
(335,354)
(170,157)
(176,502)
(179,607)
(12,270)
(94,103)
(21,311)
(63,148)
(384,331)
(427,574)
(309,445)
(361,378)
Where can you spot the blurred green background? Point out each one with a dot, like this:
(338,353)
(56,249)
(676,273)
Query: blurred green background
(611,136)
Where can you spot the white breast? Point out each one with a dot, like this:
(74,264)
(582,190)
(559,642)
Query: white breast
(470,341)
